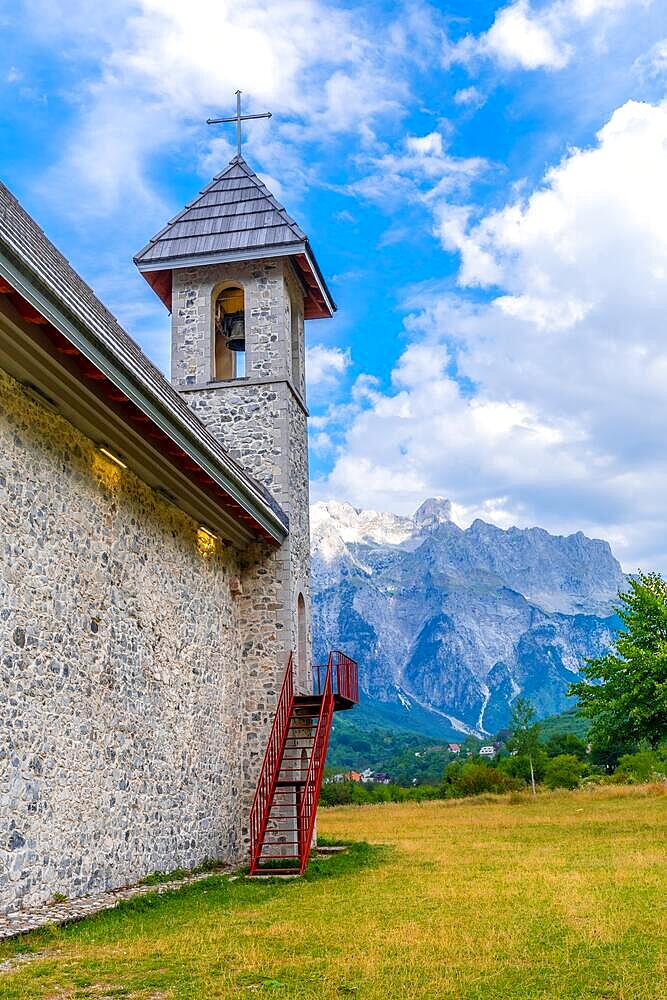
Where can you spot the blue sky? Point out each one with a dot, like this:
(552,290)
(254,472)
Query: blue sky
(485,192)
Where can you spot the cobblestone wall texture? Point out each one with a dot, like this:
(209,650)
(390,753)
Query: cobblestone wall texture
(134,689)
(261,419)
(269,289)
(298,509)
(137,690)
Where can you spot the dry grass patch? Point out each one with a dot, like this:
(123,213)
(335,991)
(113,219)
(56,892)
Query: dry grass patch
(558,898)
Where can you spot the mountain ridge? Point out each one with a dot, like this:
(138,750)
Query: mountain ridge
(457,622)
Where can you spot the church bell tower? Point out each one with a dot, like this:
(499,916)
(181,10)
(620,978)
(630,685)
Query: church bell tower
(240,278)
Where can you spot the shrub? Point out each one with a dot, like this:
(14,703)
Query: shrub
(345,793)
(647,765)
(563,771)
(566,743)
(518,766)
(339,794)
(475,779)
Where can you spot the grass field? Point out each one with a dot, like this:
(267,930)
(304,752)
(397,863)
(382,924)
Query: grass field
(559,898)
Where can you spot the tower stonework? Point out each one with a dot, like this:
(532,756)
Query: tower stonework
(235,242)
(260,418)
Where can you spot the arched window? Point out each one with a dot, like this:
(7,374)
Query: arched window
(229,336)
(302,635)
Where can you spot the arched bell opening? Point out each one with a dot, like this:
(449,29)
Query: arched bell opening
(229,336)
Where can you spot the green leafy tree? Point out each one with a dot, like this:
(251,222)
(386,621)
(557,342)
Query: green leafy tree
(470,745)
(474,778)
(606,755)
(529,767)
(565,743)
(525,738)
(646,765)
(563,771)
(629,702)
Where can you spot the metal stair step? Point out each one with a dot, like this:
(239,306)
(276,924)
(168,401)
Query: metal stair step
(283,788)
(280,871)
(277,857)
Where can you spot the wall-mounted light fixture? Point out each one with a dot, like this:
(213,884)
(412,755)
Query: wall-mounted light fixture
(112,455)
(208,532)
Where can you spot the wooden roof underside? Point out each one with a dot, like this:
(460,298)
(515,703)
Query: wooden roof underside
(43,300)
(235,217)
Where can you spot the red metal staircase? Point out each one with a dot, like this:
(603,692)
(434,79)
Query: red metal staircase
(282,818)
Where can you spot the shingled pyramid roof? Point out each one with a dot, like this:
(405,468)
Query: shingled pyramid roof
(235,217)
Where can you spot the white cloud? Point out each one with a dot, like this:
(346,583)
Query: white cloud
(469,97)
(425,145)
(654,62)
(584,9)
(518,37)
(320,443)
(326,364)
(546,403)
(423,170)
(169,64)
(546,37)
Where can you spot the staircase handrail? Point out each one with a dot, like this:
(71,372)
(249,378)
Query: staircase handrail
(345,679)
(347,676)
(268,775)
(313,783)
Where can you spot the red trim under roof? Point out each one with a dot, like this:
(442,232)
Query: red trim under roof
(314,303)
(70,358)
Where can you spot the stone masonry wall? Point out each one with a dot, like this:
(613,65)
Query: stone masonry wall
(299,537)
(261,419)
(264,428)
(261,608)
(295,293)
(129,673)
(267,322)
(250,420)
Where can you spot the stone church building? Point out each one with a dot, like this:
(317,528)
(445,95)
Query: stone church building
(154,561)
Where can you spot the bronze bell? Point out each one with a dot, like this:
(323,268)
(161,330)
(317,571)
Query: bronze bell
(234,330)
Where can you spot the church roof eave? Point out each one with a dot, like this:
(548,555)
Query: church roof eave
(318,301)
(234,218)
(72,339)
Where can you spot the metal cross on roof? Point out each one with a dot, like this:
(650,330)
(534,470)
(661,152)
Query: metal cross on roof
(238,118)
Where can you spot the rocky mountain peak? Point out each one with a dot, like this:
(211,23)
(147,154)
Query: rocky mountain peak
(432,513)
(451,624)
(357,527)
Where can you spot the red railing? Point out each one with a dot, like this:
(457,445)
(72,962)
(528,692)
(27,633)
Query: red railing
(310,795)
(345,677)
(268,776)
